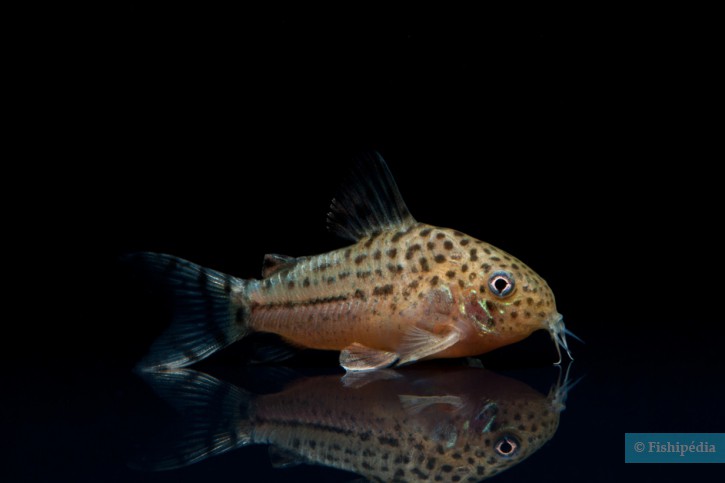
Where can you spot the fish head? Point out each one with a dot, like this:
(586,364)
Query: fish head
(511,427)
(511,302)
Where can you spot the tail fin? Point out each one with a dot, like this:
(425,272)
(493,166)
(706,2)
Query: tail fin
(210,312)
(214,419)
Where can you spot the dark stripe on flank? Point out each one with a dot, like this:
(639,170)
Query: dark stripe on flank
(306,303)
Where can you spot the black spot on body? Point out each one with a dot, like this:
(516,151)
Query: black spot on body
(388,441)
(419,474)
(398,236)
(384,290)
(448,245)
(424,264)
(440,258)
(446,468)
(486,267)
(371,239)
(377,255)
(450,274)
(359,259)
(464,268)
(392,252)
(434,280)
(425,232)
(359,294)
(474,254)
(496,259)
(347,253)
(291,284)
(410,252)
(431,463)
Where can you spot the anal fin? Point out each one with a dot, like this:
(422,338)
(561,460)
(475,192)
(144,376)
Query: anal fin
(357,357)
(419,343)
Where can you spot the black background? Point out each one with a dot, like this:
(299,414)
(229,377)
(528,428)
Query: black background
(583,142)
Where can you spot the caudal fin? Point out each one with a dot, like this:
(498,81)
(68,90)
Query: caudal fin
(209,311)
(214,419)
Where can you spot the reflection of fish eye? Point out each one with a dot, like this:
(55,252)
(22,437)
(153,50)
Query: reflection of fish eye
(507,446)
(501,283)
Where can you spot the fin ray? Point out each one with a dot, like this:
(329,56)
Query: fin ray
(274,263)
(214,418)
(368,202)
(419,343)
(357,357)
(415,404)
(208,311)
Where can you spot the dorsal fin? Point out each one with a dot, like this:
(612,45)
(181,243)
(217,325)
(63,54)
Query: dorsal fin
(368,201)
(273,263)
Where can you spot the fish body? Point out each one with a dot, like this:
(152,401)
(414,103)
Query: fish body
(374,292)
(404,291)
(460,424)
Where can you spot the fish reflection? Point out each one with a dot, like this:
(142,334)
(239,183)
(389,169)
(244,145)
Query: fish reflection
(451,424)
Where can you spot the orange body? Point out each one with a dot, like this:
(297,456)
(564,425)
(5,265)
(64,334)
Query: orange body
(375,291)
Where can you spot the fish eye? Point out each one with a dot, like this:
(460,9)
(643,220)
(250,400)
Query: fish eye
(501,283)
(507,446)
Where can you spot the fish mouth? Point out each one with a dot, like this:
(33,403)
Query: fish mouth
(558,332)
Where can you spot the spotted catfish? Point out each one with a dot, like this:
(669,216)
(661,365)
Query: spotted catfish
(405,291)
(446,424)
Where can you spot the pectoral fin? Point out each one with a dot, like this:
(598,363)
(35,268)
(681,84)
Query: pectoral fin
(357,357)
(415,404)
(419,343)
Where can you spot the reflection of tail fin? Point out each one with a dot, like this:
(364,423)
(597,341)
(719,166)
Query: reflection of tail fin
(214,419)
(210,311)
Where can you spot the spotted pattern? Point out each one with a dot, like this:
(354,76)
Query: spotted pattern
(318,301)
(344,429)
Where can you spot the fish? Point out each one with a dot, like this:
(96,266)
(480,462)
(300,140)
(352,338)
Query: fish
(404,291)
(431,424)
